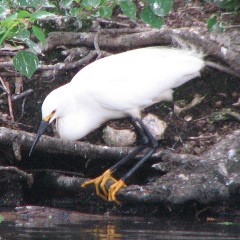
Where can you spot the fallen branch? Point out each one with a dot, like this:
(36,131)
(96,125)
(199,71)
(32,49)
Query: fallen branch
(91,151)
(58,66)
(222,46)
(59,146)
(63,183)
(197,179)
(56,182)
(24,175)
(108,39)
(76,148)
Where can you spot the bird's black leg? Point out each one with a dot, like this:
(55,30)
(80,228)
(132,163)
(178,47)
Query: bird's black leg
(146,138)
(148,141)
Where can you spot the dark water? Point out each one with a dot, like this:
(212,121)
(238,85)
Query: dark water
(113,228)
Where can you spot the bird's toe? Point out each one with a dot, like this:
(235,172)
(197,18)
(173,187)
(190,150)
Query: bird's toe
(100,184)
(114,189)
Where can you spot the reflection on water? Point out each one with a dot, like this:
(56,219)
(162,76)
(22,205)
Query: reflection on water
(114,228)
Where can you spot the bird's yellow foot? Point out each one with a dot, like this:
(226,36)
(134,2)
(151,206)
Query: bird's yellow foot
(100,183)
(114,189)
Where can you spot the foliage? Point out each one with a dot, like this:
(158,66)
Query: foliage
(17,24)
(213,24)
(26,62)
(230,7)
(22,21)
(1,218)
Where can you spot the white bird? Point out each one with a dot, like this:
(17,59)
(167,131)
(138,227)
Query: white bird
(118,86)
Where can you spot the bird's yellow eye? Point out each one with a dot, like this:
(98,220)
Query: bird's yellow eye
(48,117)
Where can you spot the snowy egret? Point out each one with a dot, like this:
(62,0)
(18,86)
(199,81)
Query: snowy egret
(114,87)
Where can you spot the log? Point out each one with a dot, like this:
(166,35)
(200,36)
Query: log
(222,46)
(59,146)
(86,150)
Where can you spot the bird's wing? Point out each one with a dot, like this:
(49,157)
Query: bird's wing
(138,78)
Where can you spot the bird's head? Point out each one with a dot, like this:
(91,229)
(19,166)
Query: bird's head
(52,108)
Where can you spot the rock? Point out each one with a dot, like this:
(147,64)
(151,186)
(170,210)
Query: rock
(155,126)
(126,137)
(118,138)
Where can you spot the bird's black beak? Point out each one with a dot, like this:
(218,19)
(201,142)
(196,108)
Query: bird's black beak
(41,129)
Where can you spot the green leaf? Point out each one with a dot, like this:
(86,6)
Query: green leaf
(33,46)
(91,3)
(13,31)
(39,34)
(3,35)
(2,31)
(129,8)
(9,27)
(23,14)
(4,9)
(30,3)
(26,63)
(24,36)
(41,14)
(66,3)
(214,25)
(74,11)
(12,17)
(1,218)
(105,12)
(160,7)
(149,17)
(212,21)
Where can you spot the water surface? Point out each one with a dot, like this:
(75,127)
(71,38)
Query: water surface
(83,226)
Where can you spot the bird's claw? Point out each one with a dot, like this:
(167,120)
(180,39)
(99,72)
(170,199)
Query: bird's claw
(114,189)
(100,186)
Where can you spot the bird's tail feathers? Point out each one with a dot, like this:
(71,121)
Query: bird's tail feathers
(198,51)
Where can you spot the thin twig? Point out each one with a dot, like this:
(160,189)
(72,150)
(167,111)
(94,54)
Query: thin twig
(69,65)
(3,85)
(118,24)
(11,124)
(96,45)
(10,103)
(202,137)
(22,95)
(221,68)
(6,88)
(23,109)
(57,171)
(18,85)
(58,66)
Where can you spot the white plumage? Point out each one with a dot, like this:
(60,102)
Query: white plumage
(118,86)
(114,87)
